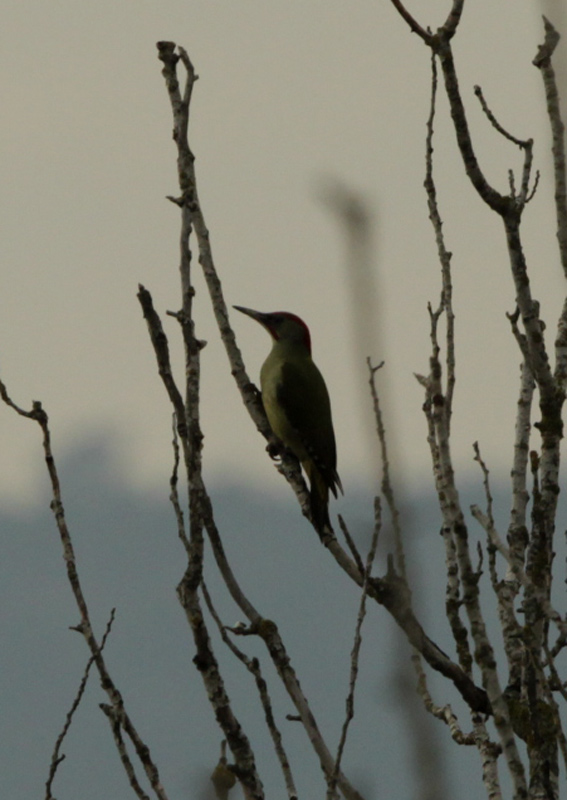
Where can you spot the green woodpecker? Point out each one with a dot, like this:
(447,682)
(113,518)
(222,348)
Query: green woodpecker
(297,405)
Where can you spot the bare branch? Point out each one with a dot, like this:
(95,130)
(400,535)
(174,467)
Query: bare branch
(39,415)
(56,759)
(282,662)
(517,530)
(444,713)
(351,545)
(551,613)
(116,719)
(386,487)
(505,591)
(201,513)
(448,29)
(354,656)
(391,592)
(454,17)
(207,664)
(491,197)
(253,666)
(524,144)
(460,571)
(561,349)
(174,495)
(544,63)
(161,349)
(446,304)
(486,483)
(193,219)
(489,752)
(546,50)
(413,24)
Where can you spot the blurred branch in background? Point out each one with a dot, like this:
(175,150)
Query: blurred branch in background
(357,224)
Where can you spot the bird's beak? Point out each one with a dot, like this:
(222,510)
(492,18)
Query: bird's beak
(257,315)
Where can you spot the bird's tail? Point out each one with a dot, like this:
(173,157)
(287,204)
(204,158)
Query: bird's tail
(319,498)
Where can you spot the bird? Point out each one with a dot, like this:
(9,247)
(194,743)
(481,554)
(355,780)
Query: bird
(297,405)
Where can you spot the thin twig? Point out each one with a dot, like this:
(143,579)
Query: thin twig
(543,61)
(387,487)
(517,530)
(351,545)
(253,666)
(445,256)
(411,21)
(505,591)
(39,415)
(526,145)
(115,717)
(56,759)
(187,412)
(174,494)
(489,752)
(486,483)
(444,713)
(355,653)
(455,531)
(550,612)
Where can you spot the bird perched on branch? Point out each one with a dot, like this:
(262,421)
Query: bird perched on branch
(297,405)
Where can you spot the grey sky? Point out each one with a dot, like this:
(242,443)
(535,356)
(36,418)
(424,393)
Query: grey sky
(290,95)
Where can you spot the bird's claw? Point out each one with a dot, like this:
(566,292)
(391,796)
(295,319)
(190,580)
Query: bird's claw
(274,451)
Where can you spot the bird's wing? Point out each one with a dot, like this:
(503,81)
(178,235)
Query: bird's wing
(307,407)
